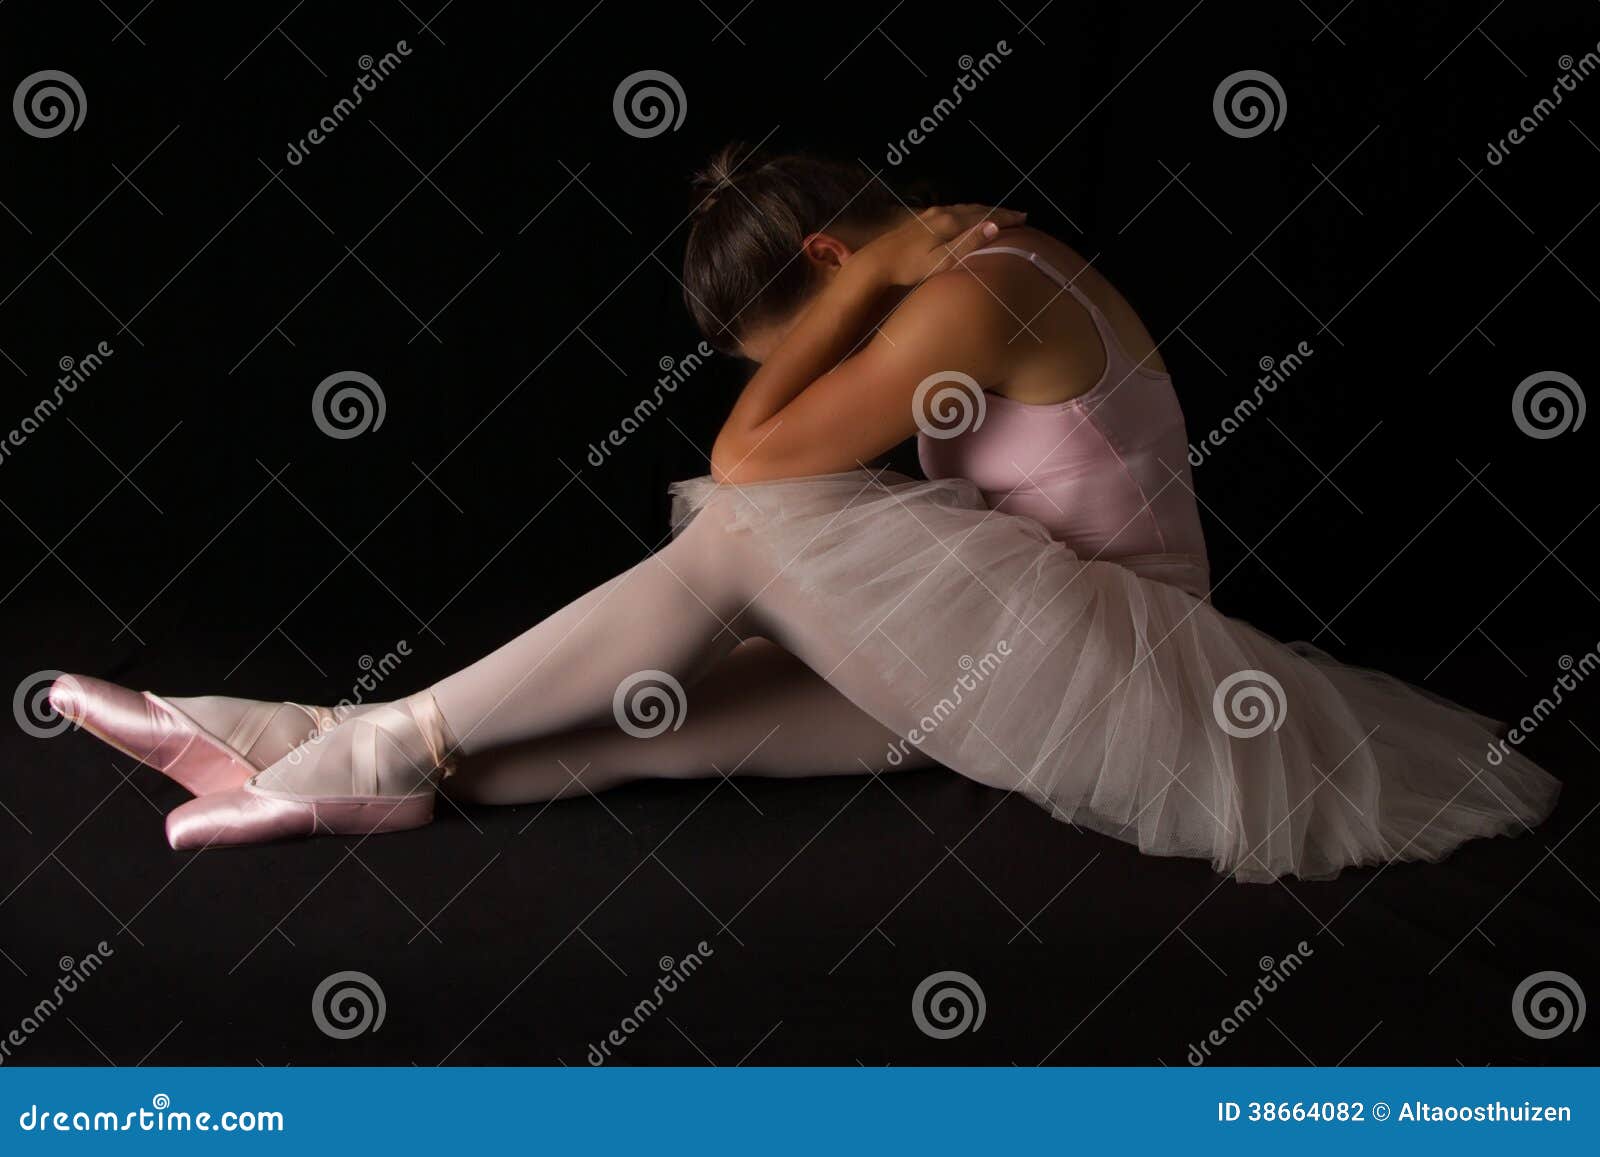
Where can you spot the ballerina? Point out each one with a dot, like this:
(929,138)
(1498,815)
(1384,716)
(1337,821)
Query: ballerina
(1035,617)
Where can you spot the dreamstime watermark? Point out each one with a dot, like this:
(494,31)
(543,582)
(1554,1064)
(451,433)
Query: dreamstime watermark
(1573,72)
(374,673)
(1274,372)
(348,1004)
(74,372)
(947,404)
(1249,703)
(1548,1004)
(648,103)
(673,974)
(948,1004)
(1577,670)
(1273,973)
(73,974)
(1548,404)
(973,73)
(673,374)
(1248,103)
(159,1118)
(348,404)
(31,707)
(649,703)
(373,72)
(974,672)
(48,104)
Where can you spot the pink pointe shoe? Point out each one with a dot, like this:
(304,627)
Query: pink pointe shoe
(373,773)
(146,727)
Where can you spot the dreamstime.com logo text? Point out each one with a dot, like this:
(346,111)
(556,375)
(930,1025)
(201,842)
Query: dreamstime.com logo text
(673,974)
(1274,372)
(1573,73)
(973,72)
(673,375)
(374,673)
(74,372)
(974,672)
(1272,975)
(161,1117)
(73,974)
(1575,672)
(373,72)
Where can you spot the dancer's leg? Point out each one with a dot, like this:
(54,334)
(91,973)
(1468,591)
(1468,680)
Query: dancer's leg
(674,614)
(760,711)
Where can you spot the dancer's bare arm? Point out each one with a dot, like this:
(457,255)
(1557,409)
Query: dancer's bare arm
(812,408)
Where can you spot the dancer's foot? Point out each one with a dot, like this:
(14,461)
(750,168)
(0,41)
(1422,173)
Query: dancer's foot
(373,773)
(207,744)
(260,730)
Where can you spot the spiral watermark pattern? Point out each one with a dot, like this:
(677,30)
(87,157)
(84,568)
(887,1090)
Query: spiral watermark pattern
(348,1004)
(649,103)
(948,404)
(1249,103)
(32,708)
(48,104)
(1548,1004)
(1249,703)
(1548,404)
(348,404)
(948,1004)
(649,703)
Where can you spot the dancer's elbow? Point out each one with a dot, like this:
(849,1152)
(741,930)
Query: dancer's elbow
(726,458)
(737,457)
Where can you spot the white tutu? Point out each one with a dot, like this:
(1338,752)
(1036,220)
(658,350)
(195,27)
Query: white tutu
(1119,702)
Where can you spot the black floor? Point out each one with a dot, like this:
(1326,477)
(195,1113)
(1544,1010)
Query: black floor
(526,935)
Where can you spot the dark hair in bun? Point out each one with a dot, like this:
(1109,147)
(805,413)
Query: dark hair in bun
(752,211)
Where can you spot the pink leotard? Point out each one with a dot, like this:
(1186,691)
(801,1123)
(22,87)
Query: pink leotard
(1106,473)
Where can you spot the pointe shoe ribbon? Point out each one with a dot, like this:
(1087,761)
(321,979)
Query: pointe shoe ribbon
(258,717)
(255,813)
(371,728)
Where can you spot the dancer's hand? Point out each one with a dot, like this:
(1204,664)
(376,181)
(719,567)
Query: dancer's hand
(935,240)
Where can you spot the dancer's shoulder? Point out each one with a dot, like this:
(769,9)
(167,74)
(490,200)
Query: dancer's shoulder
(955,298)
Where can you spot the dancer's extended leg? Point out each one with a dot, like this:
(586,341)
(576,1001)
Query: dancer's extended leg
(760,711)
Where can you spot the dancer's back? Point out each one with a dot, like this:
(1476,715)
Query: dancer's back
(1090,440)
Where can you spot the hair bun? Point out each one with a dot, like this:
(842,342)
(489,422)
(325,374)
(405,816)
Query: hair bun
(720,172)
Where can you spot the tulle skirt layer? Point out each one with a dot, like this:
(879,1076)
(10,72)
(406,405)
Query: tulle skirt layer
(1117,701)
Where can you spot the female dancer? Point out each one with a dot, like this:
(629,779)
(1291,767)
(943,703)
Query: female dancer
(1058,541)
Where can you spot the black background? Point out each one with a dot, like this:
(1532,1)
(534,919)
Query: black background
(1383,503)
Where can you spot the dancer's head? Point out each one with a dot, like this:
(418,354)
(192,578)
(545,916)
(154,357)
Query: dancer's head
(769,231)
